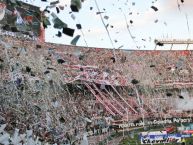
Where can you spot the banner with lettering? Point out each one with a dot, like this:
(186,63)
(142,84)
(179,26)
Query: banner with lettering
(155,122)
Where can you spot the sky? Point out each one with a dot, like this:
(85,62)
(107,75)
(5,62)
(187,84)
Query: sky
(169,22)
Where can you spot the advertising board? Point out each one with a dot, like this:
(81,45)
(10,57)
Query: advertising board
(162,138)
(157,139)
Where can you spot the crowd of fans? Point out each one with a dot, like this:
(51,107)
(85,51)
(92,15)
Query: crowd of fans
(43,86)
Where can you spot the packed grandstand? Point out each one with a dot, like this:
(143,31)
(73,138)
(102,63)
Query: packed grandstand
(47,89)
(66,94)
